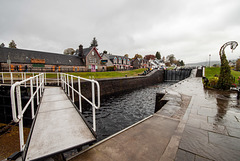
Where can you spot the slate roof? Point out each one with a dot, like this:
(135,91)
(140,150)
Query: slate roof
(24,57)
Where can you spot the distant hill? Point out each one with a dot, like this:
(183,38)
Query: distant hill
(206,63)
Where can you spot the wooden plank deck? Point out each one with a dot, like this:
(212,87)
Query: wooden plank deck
(58,126)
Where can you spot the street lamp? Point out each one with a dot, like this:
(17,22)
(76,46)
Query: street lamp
(209,60)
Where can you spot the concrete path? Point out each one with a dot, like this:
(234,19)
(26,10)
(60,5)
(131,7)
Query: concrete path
(58,126)
(194,125)
(156,138)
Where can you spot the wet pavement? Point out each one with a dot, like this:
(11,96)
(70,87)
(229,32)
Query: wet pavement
(212,129)
(195,125)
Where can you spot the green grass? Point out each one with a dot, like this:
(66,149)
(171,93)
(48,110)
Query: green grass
(98,75)
(212,71)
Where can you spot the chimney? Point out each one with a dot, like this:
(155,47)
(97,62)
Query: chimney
(80,52)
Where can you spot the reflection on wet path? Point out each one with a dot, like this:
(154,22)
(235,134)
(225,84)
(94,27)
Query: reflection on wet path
(212,130)
(120,111)
(227,106)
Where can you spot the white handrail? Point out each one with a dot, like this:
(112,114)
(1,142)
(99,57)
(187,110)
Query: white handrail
(68,84)
(13,77)
(21,110)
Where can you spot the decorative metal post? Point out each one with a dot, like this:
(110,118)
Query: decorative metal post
(225,78)
(233,46)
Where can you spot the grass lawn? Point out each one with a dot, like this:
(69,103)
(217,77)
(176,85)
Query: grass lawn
(110,74)
(211,71)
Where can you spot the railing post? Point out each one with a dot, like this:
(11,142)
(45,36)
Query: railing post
(72,89)
(93,106)
(25,84)
(32,102)
(79,95)
(11,78)
(45,77)
(39,81)
(37,91)
(22,75)
(58,79)
(65,82)
(20,116)
(42,82)
(68,91)
(2,78)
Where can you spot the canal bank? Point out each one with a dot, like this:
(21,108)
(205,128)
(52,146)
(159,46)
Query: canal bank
(109,86)
(194,124)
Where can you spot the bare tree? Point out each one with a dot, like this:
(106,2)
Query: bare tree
(69,51)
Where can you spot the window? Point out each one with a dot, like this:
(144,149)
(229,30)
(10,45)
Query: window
(92,52)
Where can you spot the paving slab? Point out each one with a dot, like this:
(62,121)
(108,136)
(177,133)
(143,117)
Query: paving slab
(207,128)
(145,141)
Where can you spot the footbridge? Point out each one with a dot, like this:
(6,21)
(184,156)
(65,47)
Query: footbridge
(58,125)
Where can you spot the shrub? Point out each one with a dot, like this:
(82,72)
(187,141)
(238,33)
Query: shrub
(213,82)
(111,68)
(225,77)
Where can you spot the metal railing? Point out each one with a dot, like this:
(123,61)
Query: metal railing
(68,86)
(17,113)
(12,77)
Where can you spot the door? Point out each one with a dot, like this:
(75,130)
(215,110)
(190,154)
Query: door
(93,69)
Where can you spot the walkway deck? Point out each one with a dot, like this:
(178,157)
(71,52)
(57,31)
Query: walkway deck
(58,126)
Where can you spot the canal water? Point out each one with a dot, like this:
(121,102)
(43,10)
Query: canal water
(120,111)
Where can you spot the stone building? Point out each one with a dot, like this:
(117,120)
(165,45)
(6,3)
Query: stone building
(140,63)
(87,59)
(120,62)
(90,57)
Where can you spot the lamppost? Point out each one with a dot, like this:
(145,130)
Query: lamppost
(209,60)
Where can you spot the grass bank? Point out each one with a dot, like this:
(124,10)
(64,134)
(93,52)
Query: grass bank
(110,74)
(212,71)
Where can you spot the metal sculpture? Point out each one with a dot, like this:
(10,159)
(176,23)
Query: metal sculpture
(233,45)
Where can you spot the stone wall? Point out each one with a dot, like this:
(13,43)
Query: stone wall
(118,85)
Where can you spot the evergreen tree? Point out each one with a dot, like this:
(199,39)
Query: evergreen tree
(225,78)
(158,55)
(12,44)
(2,45)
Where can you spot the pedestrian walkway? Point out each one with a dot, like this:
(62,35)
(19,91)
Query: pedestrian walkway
(58,127)
(212,130)
(195,124)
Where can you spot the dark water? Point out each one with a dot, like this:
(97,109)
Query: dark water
(120,111)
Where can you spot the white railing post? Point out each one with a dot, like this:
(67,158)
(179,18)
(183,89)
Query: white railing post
(65,83)
(72,89)
(37,91)
(58,79)
(79,95)
(39,84)
(42,82)
(61,79)
(22,75)
(2,78)
(11,75)
(25,84)
(32,102)
(45,77)
(93,106)
(68,91)
(20,115)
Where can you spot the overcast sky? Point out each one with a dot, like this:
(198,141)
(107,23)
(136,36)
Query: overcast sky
(189,29)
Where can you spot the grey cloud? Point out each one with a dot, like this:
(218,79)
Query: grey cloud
(189,29)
